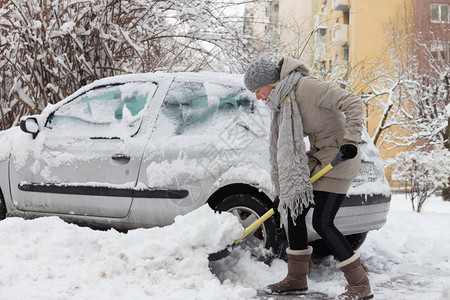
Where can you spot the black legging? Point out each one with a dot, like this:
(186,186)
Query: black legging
(325,209)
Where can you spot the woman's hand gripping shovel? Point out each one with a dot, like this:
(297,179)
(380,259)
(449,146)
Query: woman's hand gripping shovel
(225,252)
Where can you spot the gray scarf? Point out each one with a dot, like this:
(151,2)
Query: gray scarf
(289,164)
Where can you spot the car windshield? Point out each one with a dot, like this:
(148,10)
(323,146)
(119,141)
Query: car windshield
(189,104)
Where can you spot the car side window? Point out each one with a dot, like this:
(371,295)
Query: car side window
(189,104)
(108,111)
(185,104)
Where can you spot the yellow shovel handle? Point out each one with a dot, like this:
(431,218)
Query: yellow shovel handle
(321,173)
(270,212)
(256,224)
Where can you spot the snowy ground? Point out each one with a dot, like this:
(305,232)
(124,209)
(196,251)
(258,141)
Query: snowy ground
(409,258)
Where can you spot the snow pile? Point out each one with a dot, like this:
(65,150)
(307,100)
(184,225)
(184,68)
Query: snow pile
(48,259)
(409,258)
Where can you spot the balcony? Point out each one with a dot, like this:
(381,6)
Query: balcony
(339,36)
(320,20)
(339,4)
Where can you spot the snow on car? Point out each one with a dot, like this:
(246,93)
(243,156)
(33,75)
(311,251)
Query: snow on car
(138,150)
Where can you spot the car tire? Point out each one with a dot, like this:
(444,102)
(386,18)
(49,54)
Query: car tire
(2,207)
(322,250)
(269,235)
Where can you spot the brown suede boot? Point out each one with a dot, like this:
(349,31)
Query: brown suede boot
(295,282)
(358,282)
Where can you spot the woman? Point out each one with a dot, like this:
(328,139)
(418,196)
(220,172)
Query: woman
(332,119)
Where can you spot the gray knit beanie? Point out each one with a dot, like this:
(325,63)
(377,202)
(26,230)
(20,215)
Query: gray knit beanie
(261,73)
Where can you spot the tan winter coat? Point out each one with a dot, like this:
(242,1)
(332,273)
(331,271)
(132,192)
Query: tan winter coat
(331,117)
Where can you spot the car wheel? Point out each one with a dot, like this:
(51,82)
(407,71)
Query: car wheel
(322,250)
(2,207)
(267,241)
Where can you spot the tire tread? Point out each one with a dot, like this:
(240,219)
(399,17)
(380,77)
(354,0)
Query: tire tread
(2,207)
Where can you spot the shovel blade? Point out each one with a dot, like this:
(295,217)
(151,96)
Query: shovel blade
(220,254)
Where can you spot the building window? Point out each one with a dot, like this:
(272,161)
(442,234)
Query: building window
(346,55)
(347,17)
(322,68)
(440,50)
(321,35)
(323,8)
(272,10)
(439,13)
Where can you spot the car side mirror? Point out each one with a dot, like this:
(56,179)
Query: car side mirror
(30,125)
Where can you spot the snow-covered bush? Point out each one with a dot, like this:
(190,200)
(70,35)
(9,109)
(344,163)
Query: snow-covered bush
(49,49)
(446,188)
(446,191)
(424,172)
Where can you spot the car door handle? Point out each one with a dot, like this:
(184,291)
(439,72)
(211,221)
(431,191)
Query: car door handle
(121,158)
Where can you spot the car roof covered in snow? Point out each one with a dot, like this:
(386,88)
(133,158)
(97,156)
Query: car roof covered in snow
(234,79)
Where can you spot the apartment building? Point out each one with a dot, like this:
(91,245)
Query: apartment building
(354,32)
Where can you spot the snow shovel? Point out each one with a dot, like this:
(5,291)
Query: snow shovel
(225,252)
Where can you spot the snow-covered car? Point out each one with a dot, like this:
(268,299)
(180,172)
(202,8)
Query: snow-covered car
(137,150)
